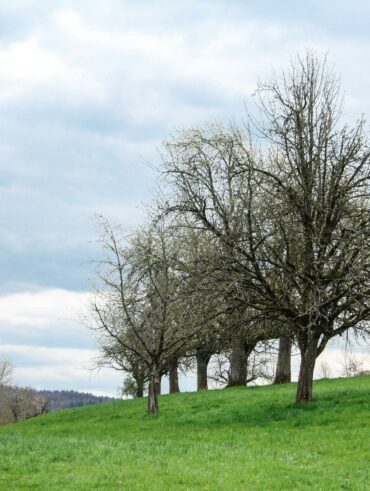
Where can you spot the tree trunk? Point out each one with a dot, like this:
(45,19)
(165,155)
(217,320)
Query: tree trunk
(139,387)
(240,352)
(203,358)
(159,384)
(153,392)
(283,372)
(305,379)
(174,377)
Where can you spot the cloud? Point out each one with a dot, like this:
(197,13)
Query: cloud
(39,309)
(26,61)
(50,318)
(41,334)
(60,368)
(87,92)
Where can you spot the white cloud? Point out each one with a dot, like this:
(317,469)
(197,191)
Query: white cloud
(26,61)
(60,368)
(41,309)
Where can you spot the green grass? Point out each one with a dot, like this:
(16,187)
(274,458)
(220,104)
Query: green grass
(233,439)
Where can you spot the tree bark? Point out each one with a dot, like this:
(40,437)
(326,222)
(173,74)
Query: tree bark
(174,377)
(305,379)
(203,358)
(283,368)
(240,351)
(139,377)
(139,387)
(159,383)
(153,392)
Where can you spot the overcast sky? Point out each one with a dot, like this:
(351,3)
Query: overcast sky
(88,89)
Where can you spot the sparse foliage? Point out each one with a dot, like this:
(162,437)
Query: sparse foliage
(291,216)
(145,304)
(352,365)
(6,372)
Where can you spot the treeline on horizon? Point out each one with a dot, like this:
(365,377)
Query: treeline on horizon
(20,403)
(61,399)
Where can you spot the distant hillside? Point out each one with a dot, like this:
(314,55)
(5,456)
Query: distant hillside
(234,439)
(62,399)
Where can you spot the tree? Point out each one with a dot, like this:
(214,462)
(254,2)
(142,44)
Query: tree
(317,177)
(283,366)
(173,376)
(209,192)
(18,403)
(6,372)
(144,303)
(259,366)
(291,214)
(6,369)
(352,365)
(114,355)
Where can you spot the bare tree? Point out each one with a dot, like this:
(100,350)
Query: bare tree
(6,372)
(209,190)
(292,216)
(6,369)
(144,303)
(114,355)
(325,369)
(259,367)
(352,365)
(317,177)
(18,403)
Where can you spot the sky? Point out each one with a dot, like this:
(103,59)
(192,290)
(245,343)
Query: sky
(88,91)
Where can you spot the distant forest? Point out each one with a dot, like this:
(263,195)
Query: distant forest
(60,399)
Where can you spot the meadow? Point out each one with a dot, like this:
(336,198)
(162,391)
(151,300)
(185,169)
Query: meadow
(250,438)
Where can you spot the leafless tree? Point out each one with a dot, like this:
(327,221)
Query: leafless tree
(209,191)
(325,369)
(144,303)
(114,355)
(291,214)
(6,372)
(259,366)
(317,178)
(18,403)
(352,365)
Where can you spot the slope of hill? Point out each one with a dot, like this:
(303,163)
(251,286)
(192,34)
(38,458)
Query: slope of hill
(233,439)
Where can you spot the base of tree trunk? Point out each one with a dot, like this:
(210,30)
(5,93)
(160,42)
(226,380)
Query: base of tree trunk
(305,378)
(140,383)
(240,352)
(140,392)
(153,392)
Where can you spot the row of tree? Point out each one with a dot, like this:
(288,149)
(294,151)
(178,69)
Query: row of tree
(260,232)
(17,403)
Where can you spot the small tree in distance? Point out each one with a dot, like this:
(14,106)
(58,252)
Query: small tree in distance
(6,372)
(352,365)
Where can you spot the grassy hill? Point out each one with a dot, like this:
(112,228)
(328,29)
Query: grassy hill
(233,439)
